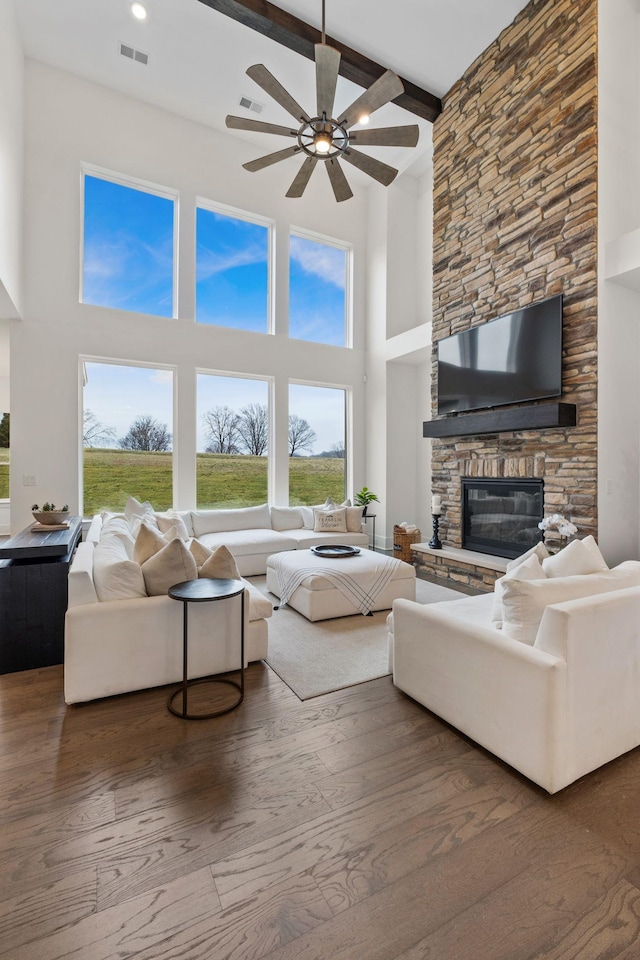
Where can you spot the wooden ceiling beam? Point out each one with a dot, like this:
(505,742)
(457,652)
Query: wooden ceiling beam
(284,28)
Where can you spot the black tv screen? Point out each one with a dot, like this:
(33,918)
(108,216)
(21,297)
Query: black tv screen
(507,360)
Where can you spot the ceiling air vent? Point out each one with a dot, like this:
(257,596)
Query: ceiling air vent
(132,54)
(251,104)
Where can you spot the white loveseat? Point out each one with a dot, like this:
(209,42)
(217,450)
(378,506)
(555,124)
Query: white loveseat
(556,706)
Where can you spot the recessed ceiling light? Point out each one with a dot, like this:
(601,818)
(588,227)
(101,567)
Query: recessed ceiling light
(139,10)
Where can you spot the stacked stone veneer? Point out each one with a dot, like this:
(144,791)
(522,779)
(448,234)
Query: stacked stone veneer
(515,220)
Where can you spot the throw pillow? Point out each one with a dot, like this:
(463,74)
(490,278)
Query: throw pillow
(173,564)
(172,521)
(307,517)
(578,557)
(133,508)
(529,569)
(220,565)
(329,504)
(540,551)
(286,518)
(148,542)
(115,576)
(199,552)
(330,521)
(525,601)
(354,519)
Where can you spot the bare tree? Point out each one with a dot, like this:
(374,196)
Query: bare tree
(253,429)
(94,434)
(337,449)
(146,433)
(301,435)
(221,427)
(4,430)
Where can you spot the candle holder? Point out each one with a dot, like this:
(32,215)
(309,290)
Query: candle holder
(434,543)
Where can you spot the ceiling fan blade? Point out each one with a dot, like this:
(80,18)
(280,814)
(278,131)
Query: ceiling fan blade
(387,136)
(262,162)
(341,189)
(301,179)
(245,123)
(381,172)
(265,79)
(386,88)
(327,66)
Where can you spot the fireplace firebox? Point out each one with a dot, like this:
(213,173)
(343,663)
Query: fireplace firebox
(501,517)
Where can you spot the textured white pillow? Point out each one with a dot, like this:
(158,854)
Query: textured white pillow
(524,601)
(172,521)
(286,518)
(115,576)
(529,569)
(173,564)
(578,557)
(148,542)
(133,508)
(220,565)
(307,516)
(219,521)
(540,551)
(118,527)
(330,521)
(354,519)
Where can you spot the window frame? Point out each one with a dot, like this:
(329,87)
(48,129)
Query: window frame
(236,213)
(348,249)
(144,186)
(348,422)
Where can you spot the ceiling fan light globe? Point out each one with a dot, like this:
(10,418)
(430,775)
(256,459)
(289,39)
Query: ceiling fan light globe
(323,144)
(364,118)
(138,10)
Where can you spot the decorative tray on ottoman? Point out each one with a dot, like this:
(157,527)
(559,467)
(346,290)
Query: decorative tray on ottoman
(334,550)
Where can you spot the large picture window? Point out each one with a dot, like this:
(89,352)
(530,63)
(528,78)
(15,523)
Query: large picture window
(318,287)
(127,427)
(232,271)
(128,255)
(232,463)
(317,440)
(4,456)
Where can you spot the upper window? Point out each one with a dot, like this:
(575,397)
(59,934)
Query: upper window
(128,260)
(318,273)
(232,271)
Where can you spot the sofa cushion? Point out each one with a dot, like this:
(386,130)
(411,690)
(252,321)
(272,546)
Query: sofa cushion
(578,557)
(133,508)
(539,550)
(528,569)
(173,564)
(220,565)
(244,543)
(115,576)
(330,521)
(286,518)
(199,552)
(524,601)
(354,519)
(218,521)
(147,542)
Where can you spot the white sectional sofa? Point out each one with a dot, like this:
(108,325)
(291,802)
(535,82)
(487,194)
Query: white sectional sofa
(556,694)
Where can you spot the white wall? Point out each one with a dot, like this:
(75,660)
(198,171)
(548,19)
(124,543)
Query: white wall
(11,157)
(618,307)
(70,121)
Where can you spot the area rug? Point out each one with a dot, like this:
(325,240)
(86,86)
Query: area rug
(317,658)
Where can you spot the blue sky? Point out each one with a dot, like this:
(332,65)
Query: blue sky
(128,264)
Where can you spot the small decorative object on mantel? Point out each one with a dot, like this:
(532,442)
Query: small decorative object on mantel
(363,498)
(556,531)
(404,534)
(436,512)
(50,515)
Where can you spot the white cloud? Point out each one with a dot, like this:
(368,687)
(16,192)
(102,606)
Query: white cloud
(319,259)
(211,262)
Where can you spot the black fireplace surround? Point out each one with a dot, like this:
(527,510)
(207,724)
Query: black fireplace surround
(500,517)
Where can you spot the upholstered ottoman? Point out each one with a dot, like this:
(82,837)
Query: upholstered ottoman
(321,588)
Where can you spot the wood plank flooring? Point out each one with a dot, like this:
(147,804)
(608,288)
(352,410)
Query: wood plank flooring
(355,826)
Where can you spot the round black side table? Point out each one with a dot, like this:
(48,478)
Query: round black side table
(204,591)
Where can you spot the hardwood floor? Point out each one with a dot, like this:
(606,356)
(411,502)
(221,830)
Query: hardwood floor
(355,826)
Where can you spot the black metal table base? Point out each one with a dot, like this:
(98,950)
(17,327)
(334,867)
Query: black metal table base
(206,716)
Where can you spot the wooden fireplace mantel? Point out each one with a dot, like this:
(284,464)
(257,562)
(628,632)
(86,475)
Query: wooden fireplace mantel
(541,416)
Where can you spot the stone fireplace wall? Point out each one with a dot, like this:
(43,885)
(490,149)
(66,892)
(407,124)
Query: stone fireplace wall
(515,219)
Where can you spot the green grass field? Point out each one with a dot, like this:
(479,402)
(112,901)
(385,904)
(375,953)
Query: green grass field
(4,473)
(223,480)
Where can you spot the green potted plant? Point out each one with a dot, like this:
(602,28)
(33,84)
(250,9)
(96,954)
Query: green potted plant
(363,498)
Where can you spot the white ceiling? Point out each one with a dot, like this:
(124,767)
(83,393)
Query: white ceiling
(198,57)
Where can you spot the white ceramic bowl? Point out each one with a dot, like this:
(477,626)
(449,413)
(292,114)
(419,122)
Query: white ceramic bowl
(51,516)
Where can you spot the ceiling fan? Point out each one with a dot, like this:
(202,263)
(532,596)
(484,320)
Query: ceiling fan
(324,138)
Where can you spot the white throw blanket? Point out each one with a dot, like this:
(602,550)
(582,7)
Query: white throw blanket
(361,578)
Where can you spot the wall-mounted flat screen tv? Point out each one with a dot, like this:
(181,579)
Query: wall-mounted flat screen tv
(510,359)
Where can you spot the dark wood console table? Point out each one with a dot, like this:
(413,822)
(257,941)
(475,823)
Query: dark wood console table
(33,596)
